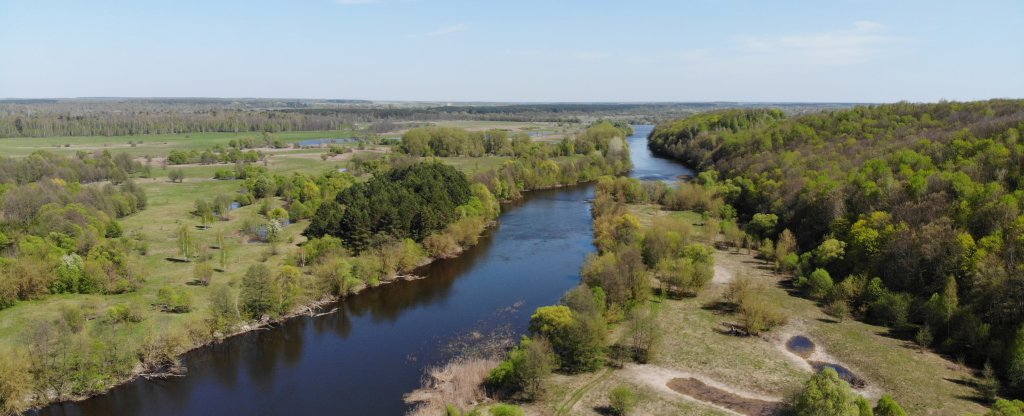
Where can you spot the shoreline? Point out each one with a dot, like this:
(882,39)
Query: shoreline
(310,309)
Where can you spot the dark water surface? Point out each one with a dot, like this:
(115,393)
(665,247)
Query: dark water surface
(800,345)
(363,358)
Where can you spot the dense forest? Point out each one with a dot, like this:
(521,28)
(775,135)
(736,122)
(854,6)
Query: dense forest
(907,215)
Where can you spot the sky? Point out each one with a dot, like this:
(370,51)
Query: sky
(516,50)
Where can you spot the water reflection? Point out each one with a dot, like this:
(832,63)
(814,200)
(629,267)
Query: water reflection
(646,165)
(361,359)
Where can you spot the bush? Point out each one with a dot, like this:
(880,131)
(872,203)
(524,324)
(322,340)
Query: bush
(890,309)
(577,340)
(825,394)
(203,273)
(644,333)
(760,316)
(506,410)
(525,368)
(622,399)
(174,300)
(819,284)
(888,407)
(123,312)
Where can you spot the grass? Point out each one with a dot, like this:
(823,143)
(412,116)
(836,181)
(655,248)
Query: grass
(151,144)
(695,342)
(169,206)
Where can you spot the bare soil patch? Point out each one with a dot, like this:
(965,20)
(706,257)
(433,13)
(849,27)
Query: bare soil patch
(739,404)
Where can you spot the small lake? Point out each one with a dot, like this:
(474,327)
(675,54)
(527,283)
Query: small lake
(361,359)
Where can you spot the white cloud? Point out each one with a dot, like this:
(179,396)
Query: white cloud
(447,30)
(589,56)
(841,47)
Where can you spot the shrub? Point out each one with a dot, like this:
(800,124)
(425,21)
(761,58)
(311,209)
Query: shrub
(888,407)
(838,309)
(506,410)
(441,245)
(203,273)
(825,394)
(577,340)
(174,299)
(819,284)
(760,316)
(623,400)
(525,368)
(123,312)
(644,333)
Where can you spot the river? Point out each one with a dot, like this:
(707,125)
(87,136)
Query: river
(361,359)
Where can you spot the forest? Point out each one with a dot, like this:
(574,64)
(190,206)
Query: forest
(906,215)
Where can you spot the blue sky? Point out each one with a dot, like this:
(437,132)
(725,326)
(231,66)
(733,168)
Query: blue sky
(523,50)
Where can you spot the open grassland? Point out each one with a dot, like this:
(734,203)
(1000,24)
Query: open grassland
(168,209)
(151,144)
(697,341)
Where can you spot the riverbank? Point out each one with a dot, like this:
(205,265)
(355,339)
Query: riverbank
(320,306)
(702,367)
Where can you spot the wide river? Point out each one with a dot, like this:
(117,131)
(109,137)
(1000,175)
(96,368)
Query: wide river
(361,359)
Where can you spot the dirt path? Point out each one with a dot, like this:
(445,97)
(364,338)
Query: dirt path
(700,389)
(722,275)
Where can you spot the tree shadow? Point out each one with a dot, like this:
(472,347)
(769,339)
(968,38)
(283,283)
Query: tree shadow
(731,329)
(828,321)
(720,307)
(175,260)
(605,410)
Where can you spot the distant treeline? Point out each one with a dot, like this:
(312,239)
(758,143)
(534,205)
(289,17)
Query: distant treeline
(907,215)
(119,117)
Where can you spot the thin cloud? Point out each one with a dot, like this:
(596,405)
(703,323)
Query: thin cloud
(447,30)
(589,56)
(842,47)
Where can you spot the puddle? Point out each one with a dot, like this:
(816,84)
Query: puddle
(739,404)
(844,373)
(800,345)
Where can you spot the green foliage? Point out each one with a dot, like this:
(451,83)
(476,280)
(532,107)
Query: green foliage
(223,312)
(825,394)
(525,369)
(644,334)
(578,340)
(1007,408)
(410,202)
(916,195)
(124,312)
(623,399)
(888,407)
(503,409)
(819,284)
(260,295)
(174,299)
